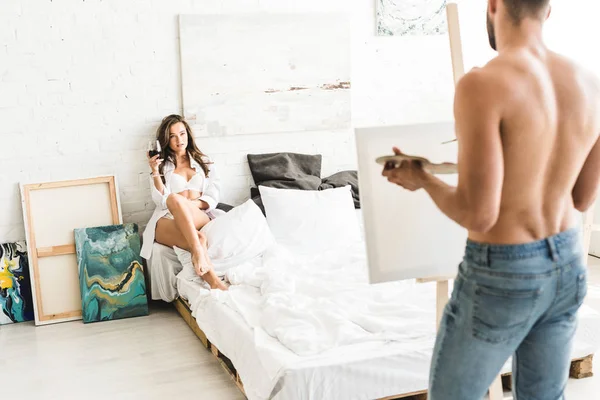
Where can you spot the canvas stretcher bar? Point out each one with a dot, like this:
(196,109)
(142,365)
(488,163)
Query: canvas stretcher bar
(51,211)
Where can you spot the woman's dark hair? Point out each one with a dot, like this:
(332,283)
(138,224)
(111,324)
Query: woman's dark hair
(163,134)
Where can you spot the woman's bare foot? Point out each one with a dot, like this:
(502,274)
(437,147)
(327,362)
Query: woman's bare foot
(199,262)
(222,285)
(214,281)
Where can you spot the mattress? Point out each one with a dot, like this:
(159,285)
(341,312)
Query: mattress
(359,371)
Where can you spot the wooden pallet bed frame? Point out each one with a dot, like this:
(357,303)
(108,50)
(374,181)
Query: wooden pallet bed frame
(580,368)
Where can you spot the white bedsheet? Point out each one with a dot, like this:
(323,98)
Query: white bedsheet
(312,328)
(163,268)
(313,304)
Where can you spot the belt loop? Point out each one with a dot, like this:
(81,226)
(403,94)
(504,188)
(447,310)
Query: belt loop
(486,255)
(553,250)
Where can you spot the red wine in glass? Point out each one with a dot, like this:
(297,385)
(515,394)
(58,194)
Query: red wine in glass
(153,148)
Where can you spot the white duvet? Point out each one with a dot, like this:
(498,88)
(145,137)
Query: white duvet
(309,315)
(312,304)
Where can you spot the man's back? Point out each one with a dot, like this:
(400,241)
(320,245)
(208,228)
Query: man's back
(549,124)
(528,156)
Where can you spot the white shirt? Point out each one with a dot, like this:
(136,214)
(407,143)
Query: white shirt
(174,183)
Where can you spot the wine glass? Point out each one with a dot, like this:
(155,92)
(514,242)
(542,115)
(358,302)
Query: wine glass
(153,148)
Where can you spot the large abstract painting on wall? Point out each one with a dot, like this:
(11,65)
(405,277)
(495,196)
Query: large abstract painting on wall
(16,304)
(267,73)
(411,17)
(111,274)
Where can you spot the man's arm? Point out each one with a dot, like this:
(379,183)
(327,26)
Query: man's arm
(586,188)
(475,202)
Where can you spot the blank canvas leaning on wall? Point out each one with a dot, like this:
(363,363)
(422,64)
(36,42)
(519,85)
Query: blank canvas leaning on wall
(51,212)
(265,73)
(407,235)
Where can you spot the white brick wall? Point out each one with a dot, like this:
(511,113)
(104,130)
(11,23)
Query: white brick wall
(84,84)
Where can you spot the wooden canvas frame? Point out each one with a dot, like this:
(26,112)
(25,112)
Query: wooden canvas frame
(36,253)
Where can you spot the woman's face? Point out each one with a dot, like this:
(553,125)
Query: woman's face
(178,139)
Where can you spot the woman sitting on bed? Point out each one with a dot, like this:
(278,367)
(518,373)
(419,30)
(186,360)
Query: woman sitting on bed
(185,189)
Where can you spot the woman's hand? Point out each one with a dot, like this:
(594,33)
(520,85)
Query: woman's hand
(154,163)
(200,204)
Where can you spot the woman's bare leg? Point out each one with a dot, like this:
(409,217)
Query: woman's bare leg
(189,221)
(168,233)
(183,233)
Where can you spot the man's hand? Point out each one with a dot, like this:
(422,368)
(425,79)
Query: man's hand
(409,174)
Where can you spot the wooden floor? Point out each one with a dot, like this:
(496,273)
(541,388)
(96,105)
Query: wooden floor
(154,357)
(146,358)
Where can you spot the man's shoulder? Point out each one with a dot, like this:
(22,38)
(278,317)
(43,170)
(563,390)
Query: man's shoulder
(481,83)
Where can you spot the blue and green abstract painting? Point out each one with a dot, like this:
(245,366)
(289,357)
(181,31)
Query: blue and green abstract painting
(111,274)
(16,304)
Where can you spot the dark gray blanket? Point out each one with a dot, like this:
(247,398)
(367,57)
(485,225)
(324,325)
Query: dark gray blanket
(342,179)
(225,207)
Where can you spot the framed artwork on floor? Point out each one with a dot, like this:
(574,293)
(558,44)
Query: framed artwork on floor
(16,303)
(111,275)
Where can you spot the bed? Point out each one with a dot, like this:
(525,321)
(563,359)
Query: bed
(264,368)
(306,324)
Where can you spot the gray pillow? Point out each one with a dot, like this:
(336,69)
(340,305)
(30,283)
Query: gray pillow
(284,171)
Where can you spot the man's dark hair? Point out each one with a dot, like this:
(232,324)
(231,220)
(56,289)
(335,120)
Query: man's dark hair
(519,9)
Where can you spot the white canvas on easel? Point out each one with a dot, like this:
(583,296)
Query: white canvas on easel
(51,212)
(407,235)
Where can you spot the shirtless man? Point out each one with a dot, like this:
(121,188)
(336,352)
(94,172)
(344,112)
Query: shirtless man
(528,125)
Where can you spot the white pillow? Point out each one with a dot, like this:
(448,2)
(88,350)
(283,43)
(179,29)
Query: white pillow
(238,236)
(311,221)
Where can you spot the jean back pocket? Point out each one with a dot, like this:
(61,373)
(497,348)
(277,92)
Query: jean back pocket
(500,315)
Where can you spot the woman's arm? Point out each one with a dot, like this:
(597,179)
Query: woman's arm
(158,189)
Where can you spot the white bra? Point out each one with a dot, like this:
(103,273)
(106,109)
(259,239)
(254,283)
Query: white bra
(179,184)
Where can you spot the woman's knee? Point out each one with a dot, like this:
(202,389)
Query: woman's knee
(175,200)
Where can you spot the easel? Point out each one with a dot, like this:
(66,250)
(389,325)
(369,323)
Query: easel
(588,228)
(458,68)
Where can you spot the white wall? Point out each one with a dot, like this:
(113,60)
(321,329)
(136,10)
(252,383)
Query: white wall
(572,31)
(84,84)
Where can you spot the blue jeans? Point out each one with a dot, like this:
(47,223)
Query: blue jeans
(513,300)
